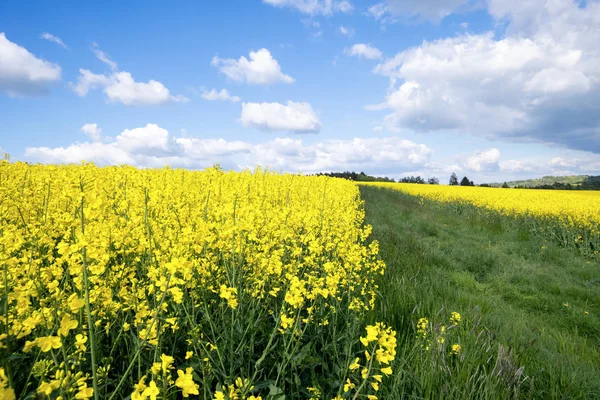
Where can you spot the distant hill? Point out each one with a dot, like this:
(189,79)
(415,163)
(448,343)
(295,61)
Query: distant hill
(556,182)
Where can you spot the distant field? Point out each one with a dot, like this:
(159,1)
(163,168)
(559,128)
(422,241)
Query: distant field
(570,217)
(546,180)
(530,308)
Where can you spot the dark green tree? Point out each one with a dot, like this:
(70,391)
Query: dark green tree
(465,182)
(453,180)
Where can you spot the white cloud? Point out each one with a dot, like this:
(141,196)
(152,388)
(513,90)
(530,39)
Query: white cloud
(55,39)
(431,10)
(518,166)
(293,117)
(22,73)
(365,50)
(349,32)
(314,7)
(100,153)
(93,131)
(124,89)
(261,69)
(223,94)
(149,137)
(483,161)
(105,58)
(121,87)
(151,146)
(541,82)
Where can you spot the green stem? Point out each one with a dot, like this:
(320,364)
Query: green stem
(88,311)
(139,349)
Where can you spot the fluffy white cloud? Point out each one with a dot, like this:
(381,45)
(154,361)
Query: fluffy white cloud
(93,131)
(223,94)
(540,82)
(120,87)
(151,146)
(432,10)
(149,137)
(101,153)
(293,117)
(483,161)
(261,69)
(55,39)
(22,73)
(314,7)
(126,90)
(365,50)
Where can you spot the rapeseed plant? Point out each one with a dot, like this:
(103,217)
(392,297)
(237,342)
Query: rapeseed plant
(168,283)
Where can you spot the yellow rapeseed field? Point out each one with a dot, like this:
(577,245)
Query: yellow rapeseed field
(576,210)
(164,283)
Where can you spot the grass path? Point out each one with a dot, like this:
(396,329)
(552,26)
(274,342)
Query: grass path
(536,299)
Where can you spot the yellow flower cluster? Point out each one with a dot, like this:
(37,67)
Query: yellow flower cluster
(429,335)
(6,392)
(98,263)
(578,207)
(380,343)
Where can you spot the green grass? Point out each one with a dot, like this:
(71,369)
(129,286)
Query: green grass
(523,301)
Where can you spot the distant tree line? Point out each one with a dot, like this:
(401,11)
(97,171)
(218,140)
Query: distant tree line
(362,177)
(463,182)
(354,176)
(589,183)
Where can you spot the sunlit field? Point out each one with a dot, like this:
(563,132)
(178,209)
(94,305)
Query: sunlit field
(120,282)
(571,217)
(165,283)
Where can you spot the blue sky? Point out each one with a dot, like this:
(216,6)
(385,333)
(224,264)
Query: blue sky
(495,90)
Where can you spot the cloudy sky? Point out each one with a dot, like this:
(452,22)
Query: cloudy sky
(491,89)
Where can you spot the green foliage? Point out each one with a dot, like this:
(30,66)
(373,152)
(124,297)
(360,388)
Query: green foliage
(571,182)
(530,308)
(453,180)
(466,182)
(358,177)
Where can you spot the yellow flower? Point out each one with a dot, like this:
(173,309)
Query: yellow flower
(156,367)
(151,391)
(28,346)
(66,324)
(219,395)
(188,354)
(456,348)
(229,294)
(84,392)
(46,343)
(455,318)
(348,385)
(79,342)
(45,388)
(185,381)
(386,370)
(75,303)
(355,365)
(166,362)
(286,322)
(375,386)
